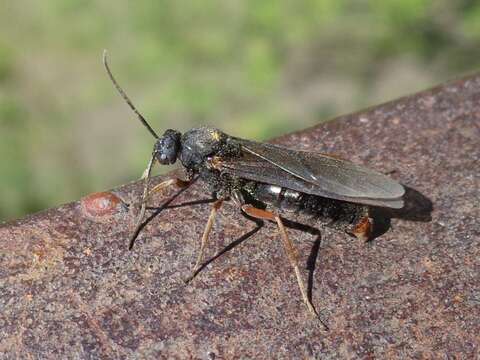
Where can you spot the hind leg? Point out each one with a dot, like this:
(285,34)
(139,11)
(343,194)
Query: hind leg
(290,250)
(363,228)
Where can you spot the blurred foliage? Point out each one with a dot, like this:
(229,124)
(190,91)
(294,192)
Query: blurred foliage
(253,68)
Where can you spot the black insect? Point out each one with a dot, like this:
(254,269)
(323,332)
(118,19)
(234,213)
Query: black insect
(267,181)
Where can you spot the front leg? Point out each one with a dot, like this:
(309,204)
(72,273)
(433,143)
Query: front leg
(182,184)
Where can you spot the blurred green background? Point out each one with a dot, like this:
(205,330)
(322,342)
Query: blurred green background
(255,69)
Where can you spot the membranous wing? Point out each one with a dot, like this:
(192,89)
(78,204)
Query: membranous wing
(313,173)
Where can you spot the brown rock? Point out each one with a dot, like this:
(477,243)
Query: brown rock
(70,288)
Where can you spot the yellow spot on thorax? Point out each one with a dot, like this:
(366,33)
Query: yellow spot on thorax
(215,135)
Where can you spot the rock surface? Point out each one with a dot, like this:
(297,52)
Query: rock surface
(69,288)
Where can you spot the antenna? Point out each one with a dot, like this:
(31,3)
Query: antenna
(125,97)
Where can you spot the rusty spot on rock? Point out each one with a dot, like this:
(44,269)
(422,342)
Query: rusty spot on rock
(101,205)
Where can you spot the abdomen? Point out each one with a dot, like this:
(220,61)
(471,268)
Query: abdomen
(316,208)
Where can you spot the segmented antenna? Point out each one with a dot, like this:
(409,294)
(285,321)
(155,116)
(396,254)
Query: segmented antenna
(125,97)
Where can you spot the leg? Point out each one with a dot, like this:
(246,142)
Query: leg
(138,222)
(206,233)
(363,228)
(167,183)
(290,249)
(147,194)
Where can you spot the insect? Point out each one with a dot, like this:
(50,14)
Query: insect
(268,182)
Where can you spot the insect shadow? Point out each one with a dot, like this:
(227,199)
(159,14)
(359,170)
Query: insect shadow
(417,207)
(311,260)
(233,244)
(314,251)
(167,205)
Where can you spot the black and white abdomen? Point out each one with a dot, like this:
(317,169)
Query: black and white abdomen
(278,197)
(324,210)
